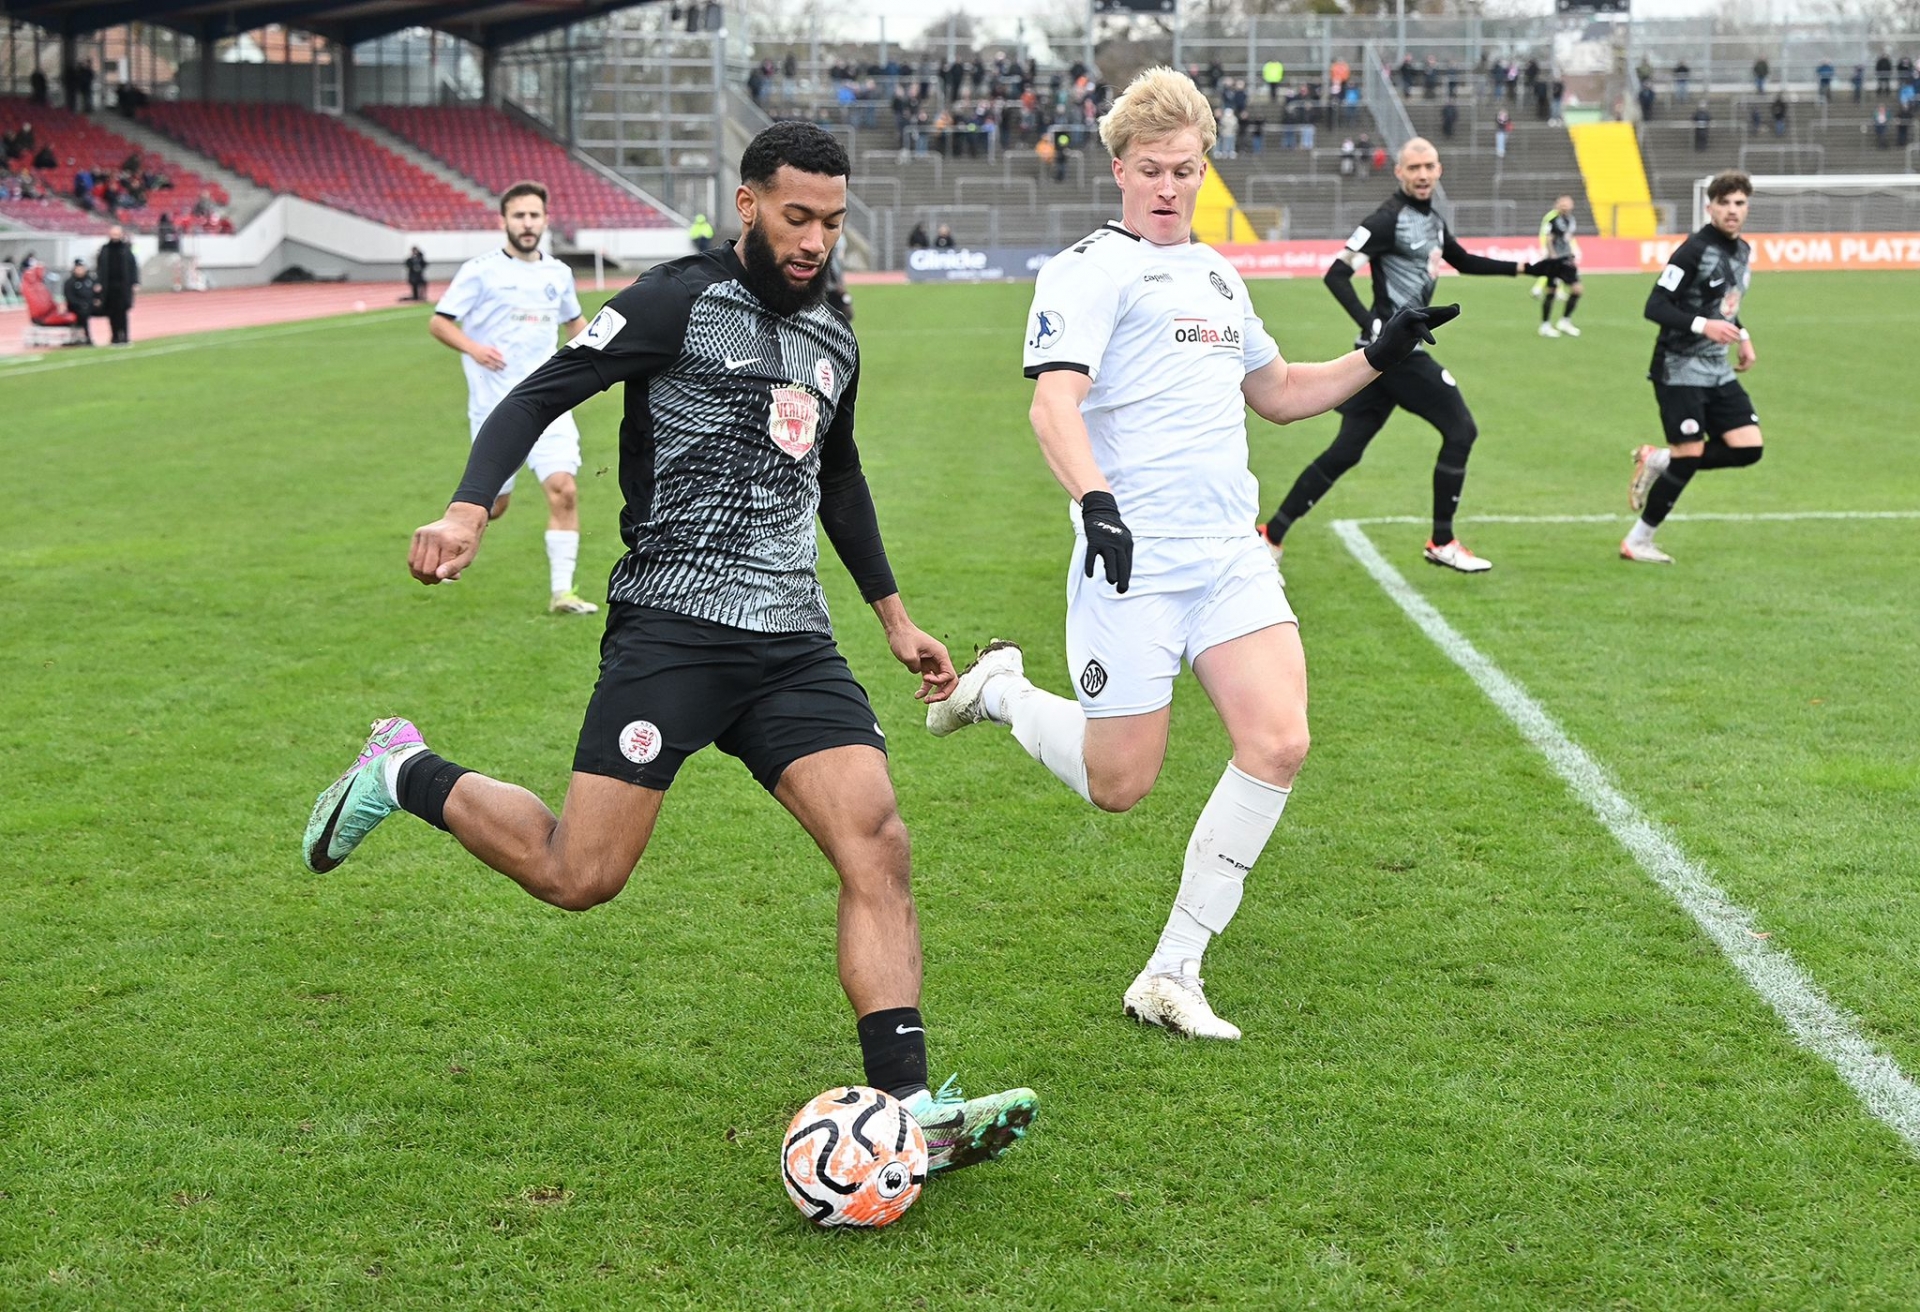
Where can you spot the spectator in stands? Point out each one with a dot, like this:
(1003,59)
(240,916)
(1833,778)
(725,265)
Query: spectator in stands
(1646,102)
(1825,75)
(44,158)
(1430,75)
(1682,75)
(1904,70)
(1511,84)
(1779,114)
(1543,98)
(1903,125)
(1363,148)
(1453,80)
(167,233)
(1502,125)
(1859,82)
(83,189)
(1449,119)
(83,78)
(1644,70)
(1407,75)
(37,86)
(1273,73)
(1556,95)
(700,233)
(1349,156)
(1254,128)
(416,267)
(1880,127)
(83,297)
(789,75)
(1760,71)
(203,208)
(119,274)
(1350,104)
(917,239)
(1338,75)
(1883,74)
(1229,143)
(1702,122)
(1907,93)
(943,238)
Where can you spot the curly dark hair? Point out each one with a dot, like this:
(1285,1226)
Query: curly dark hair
(802,146)
(1725,184)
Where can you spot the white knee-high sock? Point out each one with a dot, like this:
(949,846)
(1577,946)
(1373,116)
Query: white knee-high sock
(1228,838)
(563,549)
(1052,729)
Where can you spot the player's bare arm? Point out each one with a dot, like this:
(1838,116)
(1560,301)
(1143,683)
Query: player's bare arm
(916,649)
(447,331)
(1055,415)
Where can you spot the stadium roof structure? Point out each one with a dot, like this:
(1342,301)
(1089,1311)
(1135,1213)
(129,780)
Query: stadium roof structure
(487,23)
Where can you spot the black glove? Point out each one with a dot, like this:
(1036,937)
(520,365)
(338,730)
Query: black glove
(1552,267)
(1395,340)
(1107,538)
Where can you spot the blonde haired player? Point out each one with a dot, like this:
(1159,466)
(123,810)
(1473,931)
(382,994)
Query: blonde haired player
(500,312)
(1145,351)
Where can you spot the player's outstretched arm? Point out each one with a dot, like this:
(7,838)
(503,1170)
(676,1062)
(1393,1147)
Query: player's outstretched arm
(1281,393)
(443,548)
(1485,266)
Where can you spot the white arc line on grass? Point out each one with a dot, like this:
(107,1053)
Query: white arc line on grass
(1815,1023)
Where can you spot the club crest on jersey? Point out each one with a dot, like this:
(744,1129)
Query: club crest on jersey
(1049,326)
(1730,303)
(1220,285)
(553,293)
(640,742)
(823,375)
(793,417)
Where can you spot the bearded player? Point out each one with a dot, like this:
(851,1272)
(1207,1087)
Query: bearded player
(740,387)
(500,312)
(1145,352)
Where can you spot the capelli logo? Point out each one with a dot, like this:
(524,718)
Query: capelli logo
(1156,277)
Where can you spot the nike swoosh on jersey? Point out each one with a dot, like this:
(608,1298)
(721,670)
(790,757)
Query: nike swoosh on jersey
(741,364)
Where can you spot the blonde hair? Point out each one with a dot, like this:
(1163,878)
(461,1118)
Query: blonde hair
(1158,104)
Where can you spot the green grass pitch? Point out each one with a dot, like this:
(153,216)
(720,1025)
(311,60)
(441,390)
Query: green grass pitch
(1488,1064)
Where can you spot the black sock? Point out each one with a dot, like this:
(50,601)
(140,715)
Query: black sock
(1572,301)
(893,1047)
(1447,484)
(1721,456)
(1307,490)
(424,784)
(1667,489)
(1546,305)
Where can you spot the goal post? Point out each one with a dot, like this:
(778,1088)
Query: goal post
(1824,202)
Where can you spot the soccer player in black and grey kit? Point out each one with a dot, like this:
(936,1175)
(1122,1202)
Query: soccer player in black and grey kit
(1405,241)
(1709,420)
(740,388)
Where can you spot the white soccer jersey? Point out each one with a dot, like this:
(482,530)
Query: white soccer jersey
(514,305)
(1167,334)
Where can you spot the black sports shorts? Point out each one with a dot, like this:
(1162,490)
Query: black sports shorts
(1694,414)
(1418,385)
(670,684)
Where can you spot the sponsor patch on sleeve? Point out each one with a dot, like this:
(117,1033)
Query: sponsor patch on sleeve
(605,327)
(1671,276)
(1361,236)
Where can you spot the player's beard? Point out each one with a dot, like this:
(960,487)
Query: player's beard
(774,289)
(524,241)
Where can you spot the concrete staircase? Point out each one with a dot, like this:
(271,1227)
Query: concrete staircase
(418,158)
(247,198)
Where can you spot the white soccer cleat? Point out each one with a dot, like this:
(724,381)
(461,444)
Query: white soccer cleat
(1548,330)
(967,706)
(569,602)
(1644,552)
(1649,462)
(1177,1003)
(1455,556)
(1567,329)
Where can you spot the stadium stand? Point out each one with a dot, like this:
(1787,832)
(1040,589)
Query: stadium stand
(317,158)
(496,152)
(80,143)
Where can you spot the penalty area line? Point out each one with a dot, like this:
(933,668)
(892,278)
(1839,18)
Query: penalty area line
(1705,517)
(1815,1023)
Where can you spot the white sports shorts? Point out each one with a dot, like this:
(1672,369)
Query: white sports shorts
(557,451)
(1186,595)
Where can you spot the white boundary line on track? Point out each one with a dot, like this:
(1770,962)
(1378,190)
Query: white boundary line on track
(1815,1023)
(197,341)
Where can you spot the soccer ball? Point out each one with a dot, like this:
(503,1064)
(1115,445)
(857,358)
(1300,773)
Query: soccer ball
(853,1156)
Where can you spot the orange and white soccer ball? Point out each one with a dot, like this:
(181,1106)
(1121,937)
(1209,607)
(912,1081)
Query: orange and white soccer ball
(853,1156)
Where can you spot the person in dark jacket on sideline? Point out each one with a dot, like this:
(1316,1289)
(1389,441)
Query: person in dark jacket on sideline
(119,274)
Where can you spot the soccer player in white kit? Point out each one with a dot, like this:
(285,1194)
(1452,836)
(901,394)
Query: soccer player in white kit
(1145,351)
(501,312)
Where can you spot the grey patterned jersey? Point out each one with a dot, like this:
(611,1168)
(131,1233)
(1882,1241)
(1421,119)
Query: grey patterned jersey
(1707,278)
(1404,242)
(1556,233)
(735,417)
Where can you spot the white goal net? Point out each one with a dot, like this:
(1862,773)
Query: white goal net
(1824,202)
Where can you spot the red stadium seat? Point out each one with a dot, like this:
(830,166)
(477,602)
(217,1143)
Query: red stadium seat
(496,152)
(81,143)
(40,307)
(318,158)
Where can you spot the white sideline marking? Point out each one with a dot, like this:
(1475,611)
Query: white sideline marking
(1815,1023)
(196,342)
(1759,517)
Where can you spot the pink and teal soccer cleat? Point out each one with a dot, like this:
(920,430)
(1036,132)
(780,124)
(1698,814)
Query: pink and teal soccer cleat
(962,1131)
(359,799)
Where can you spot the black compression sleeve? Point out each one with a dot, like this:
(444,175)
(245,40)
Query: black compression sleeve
(1468,263)
(1339,280)
(846,505)
(501,447)
(1667,312)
